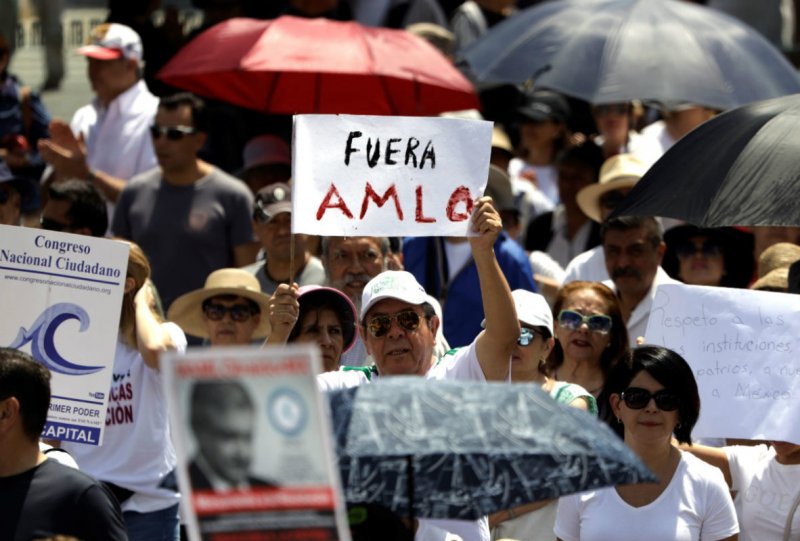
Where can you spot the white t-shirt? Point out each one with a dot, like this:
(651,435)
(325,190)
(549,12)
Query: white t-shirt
(589,266)
(696,505)
(137,452)
(766,491)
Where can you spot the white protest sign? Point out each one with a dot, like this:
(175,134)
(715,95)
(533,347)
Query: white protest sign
(387,176)
(744,349)
(252,434)
(62,296)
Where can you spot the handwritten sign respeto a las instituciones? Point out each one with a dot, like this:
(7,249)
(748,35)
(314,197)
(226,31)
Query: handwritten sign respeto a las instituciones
(383,176)
(744,349)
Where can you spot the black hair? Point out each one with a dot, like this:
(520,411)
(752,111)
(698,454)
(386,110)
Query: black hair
(86,205)
(587,154)
(186,99)
(29,382)
(626,223)
(669,369)
(208,398)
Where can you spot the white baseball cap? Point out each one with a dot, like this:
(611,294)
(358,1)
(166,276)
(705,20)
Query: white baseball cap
(532,309)
(400,285)
(110,41)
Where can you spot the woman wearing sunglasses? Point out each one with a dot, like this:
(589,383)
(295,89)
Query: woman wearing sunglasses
(313,315)
(527,364)
(590,336)
(228,310)
(709,256)
(137,456)
(653,395)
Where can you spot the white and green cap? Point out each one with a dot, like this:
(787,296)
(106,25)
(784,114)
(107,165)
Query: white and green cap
(400,285)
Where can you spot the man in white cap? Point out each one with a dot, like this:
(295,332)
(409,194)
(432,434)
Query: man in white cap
(108,141)
(399,326)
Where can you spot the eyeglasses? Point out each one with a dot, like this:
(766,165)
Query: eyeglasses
(408,320)
(238,312)
(706,249)
(52,225)
(173,133)
(527,336)
(612,199)
(599,323)
(611,109)
(637,398)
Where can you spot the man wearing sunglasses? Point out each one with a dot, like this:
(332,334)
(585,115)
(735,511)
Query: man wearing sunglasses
(190,217)
(107,141)
(228,310)
(399,325)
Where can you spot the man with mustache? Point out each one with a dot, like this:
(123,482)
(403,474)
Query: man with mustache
(633,247)
(351,262)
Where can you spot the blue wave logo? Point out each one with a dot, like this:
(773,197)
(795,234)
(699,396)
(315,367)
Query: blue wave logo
(42,338)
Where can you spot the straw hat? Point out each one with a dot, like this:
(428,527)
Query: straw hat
(779,255)
(187,310)
(618,172)
(774,280)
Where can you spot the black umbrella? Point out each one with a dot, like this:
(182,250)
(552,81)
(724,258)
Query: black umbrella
(606,51)
(461,450)
(739,168)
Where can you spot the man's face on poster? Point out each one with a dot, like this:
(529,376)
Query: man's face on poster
(226,443)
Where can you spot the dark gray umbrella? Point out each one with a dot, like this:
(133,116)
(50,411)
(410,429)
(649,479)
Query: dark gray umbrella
(606,51)
(739,168)
(461,450)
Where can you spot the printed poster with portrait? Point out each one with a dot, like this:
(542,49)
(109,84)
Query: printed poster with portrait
(62,295)
(254,449)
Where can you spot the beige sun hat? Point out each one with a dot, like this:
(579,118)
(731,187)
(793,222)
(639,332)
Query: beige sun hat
(187,310)
(774,280)
(618,172)
(779,255)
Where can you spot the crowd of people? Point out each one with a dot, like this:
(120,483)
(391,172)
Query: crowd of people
(547,290)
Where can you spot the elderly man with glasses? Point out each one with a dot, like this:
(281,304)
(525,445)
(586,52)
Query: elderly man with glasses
(399,325)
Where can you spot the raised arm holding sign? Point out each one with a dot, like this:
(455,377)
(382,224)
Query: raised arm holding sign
(381,176)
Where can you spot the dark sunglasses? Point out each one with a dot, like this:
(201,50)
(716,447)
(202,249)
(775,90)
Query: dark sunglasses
(611,108)
(637,398)
(52,225)
(238,312)
(612,199)
(408,320)
(4,196)
(173,133)
(706,249)
(599,323)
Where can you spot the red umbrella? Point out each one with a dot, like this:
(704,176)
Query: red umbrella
(294,65)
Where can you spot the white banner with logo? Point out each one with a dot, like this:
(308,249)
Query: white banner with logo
(387,175)
(62,296)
